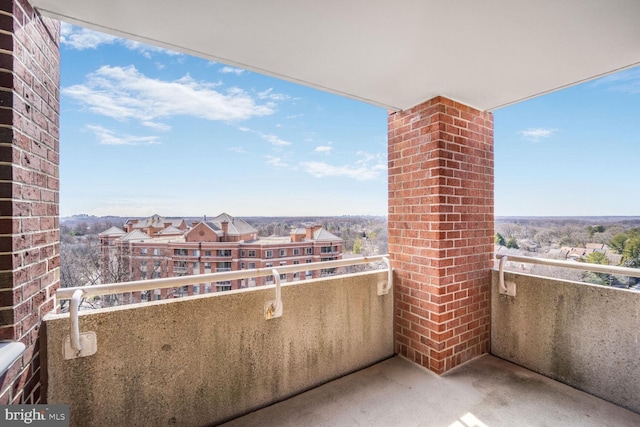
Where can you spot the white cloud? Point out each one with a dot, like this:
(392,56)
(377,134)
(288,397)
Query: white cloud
(239,150)
(269,94)
(276,162)
(536,134)
(146,49)
(623,81)
(231,70)
(368,167)
(83,38)
(108,137)
(294,116)
(273,139)
(157,126)
(124,93)
(323,149)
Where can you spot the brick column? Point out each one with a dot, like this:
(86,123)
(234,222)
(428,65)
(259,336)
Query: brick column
(441,231)
(29,229)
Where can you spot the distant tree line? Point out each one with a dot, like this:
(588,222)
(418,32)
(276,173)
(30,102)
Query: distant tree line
(628,245)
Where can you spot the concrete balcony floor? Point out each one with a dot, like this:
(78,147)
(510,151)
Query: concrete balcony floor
(487,391)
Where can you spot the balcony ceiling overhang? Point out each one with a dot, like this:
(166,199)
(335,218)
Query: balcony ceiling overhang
(486,54)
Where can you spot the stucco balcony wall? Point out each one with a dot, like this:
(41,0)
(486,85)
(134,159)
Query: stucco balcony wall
(583,335)
(205,359)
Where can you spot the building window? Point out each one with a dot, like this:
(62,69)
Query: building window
(309,251)
(181,252)
(143,251)
(180,267)
(223,266)
(283,277)
(242,265)
(207,253)
(252,253)
(252,265)
(308,261)
(156,274)
(296,262)
(243,253)
(296,252)
(268,254)
(224,252)
(268,265)
(156,251)
(283,252)
(196,252)
(283,262)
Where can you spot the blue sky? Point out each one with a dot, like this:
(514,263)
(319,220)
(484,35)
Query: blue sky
(144,130)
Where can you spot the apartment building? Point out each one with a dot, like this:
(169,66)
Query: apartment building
(157,247)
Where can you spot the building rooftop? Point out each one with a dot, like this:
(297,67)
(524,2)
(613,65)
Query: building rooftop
(237,226)
(135,235)
(324,235)
(113,231)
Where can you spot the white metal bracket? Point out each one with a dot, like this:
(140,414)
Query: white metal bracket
(385,286)
(273,309)
(78,344)
(88,342)
(505,288)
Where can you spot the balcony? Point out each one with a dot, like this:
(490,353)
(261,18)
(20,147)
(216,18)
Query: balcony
(329,359)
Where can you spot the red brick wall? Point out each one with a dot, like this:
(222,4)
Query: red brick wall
(441,231)
(29,231)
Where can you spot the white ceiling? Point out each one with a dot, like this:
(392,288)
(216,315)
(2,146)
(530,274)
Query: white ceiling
(395,54)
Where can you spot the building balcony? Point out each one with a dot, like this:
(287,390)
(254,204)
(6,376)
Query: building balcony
(562,353)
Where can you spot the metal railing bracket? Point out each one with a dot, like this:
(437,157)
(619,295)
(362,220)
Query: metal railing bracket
(78,344)
(273,309)
(385,285)
(505,288)
(88,342)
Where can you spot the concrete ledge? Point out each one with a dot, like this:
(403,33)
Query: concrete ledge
(205,359)
(579,334)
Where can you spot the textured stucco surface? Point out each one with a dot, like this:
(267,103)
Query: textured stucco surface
(583,335)
(201,360)
(485,392)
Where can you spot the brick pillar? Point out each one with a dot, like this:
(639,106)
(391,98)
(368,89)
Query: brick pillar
(441,231)
(29,230)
